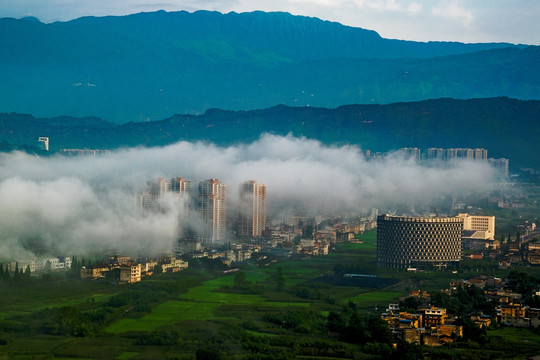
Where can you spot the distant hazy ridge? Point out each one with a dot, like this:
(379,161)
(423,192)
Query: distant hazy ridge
(506,127)
(153,65)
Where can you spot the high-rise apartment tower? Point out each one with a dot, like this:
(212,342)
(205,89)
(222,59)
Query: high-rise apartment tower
(252,209)
(211,204)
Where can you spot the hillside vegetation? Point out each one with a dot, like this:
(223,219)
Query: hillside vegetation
(506,127)
(152,65)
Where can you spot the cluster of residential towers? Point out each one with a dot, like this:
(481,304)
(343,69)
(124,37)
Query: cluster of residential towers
(205,219)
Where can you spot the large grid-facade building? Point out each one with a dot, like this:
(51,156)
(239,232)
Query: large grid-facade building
(405,241)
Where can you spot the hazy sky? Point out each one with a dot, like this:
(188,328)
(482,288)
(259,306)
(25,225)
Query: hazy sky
(514,21)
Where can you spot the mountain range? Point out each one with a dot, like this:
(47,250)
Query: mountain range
(505,127)
(149,66)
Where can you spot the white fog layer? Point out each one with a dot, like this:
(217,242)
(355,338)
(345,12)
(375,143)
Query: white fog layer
(79,204)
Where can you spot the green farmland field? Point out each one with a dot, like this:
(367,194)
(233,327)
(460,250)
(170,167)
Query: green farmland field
(199,303)
(376,297)
(167,313)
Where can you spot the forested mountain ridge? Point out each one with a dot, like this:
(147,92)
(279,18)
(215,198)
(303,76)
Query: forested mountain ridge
(506,127)
(151,65)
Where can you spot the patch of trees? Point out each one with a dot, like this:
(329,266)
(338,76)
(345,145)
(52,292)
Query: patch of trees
(351,326)
(300,321)
(209,264)
(279,279)
(482,265)
(18,275)
(160,338)
(235,342)
(242,285)
(66,321)
(410,304)
(370,331)
(526,285)
(464,301)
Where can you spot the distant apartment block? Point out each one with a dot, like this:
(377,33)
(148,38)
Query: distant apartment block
(477,154)
(501,165)
(410,153)
(157,189)
(252,209)
(22,265)
(84,152)
(211,205)
(57,263)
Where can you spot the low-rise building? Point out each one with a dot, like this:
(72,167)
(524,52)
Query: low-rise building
(130,273)
(57,263)
(434,316)
(481,320)
(173,265)
(94,272)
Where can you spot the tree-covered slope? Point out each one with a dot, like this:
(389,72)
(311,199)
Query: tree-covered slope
(506,127)
(152,65)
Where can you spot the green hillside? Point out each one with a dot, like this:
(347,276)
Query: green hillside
(506,127)
(149,66)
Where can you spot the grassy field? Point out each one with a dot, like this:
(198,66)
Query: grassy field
(379,297)
(515,335)
(199,303)
(35,296)
(167,313)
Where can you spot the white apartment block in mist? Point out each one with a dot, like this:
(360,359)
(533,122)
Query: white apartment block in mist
(211,204)
(158,188)
(501,165)
(252,209)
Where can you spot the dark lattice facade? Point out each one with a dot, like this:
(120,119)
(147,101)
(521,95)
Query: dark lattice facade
(404,241)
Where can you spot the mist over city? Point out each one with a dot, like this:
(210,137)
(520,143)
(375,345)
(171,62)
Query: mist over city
(76,204)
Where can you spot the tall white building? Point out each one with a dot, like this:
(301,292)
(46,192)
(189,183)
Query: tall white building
(211,204)
(252,209)
(410,153)
(180,186)
(182,189)
(436,153)
(158,188)
(501,165)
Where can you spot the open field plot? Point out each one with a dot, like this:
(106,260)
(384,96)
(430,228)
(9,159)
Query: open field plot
(358,281)
(376,297)
(127,355)
(36,296)
(257,275)
(93,348)
(32,346)
(516,335)
(199,303)
(169,312)
(60,347)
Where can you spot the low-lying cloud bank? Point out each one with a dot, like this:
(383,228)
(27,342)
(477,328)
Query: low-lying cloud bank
(78,204)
